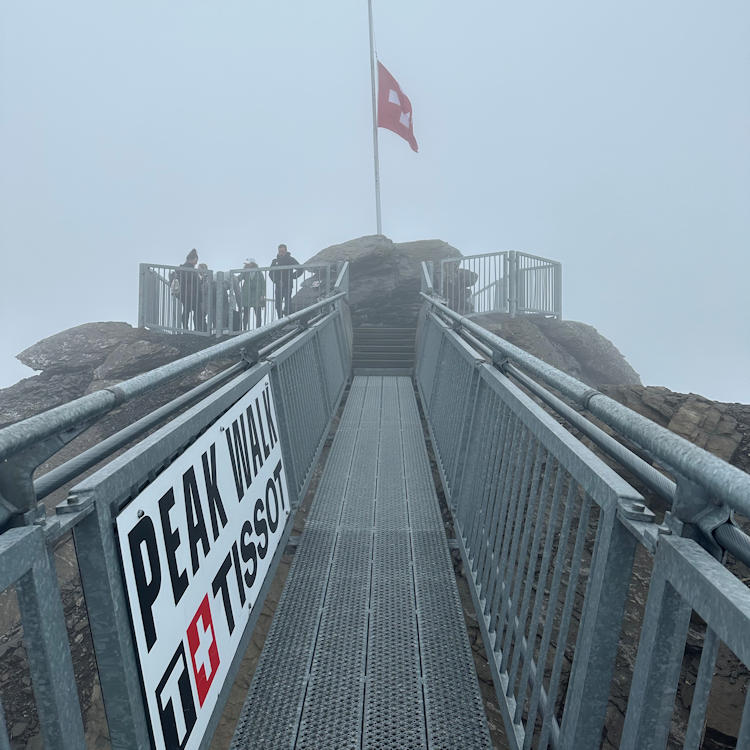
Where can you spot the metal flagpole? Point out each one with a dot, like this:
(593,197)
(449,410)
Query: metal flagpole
(374,121)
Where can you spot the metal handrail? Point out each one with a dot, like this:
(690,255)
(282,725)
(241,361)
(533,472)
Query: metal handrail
(304,363)
(661,484)
(550,535)
(718,477)
(17,437)
(427,280)
(57,477)
(342,279)
(523,283)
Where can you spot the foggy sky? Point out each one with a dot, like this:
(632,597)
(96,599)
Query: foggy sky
(612,136)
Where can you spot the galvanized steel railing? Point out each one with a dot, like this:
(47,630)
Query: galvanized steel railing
(308,364)
(179,299)
(549,534)
(511,282)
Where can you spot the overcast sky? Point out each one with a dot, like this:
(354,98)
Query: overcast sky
(612,136)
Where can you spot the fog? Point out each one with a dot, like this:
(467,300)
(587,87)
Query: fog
(611,136)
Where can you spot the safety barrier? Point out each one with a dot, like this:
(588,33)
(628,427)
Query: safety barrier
(549,533)
(275,407)
(511,282)
(180,299)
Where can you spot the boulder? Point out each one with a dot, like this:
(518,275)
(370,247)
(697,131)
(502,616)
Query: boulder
(656,403)
(385,277)
(40,393)
(600,360)
(134,357)
(83,347)
(714,426)
(575,348)
(91,357)
(709,425)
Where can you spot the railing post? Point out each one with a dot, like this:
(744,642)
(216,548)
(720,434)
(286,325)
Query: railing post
(427,277)
(506,283)
(601,623)
(497,296)
(443,286)
(657,665)
(98,561)
(513,283)
(48,649)
(141,295)
(219,290)
(558,290)
(210,304)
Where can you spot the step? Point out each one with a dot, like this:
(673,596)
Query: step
(383,357)
(405,348)
(376,329)
(403,371)
(379,364)
(383,347)
(400,335)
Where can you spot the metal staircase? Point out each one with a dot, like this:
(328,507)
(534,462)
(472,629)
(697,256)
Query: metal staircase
(383,351)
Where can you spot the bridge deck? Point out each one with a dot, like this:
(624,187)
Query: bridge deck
(368,647)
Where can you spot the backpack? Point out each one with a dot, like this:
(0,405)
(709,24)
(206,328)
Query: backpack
(174,287)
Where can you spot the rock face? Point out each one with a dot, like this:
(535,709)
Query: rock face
(385,277)
(80,348)
(721,429)
(575,348)
(85,359)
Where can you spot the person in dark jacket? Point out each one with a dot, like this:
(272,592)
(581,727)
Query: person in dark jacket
(283,279)
(190,293)
(252,294)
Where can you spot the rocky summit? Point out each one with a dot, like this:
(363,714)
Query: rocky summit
(385,276)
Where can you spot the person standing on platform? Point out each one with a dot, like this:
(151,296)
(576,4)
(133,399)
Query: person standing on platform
(252,294)
(185,285)
(283,279)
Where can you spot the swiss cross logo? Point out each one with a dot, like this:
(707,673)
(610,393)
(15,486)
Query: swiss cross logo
(203,649)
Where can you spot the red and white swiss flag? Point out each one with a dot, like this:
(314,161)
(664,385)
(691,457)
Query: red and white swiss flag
(394,107)
(204,651)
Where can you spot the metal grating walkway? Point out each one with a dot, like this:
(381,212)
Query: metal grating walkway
(368,647)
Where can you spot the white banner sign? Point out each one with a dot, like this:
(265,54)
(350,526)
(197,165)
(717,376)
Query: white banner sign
(196,545)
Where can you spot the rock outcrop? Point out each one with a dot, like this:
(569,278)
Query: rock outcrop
(575,348)
(87,358)
(716,427)
(385,276)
